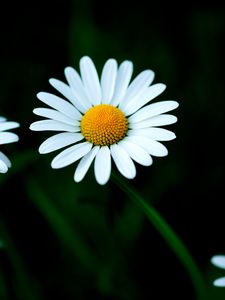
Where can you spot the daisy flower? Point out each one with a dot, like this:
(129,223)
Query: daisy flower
(6,138)
(219,261)
(105,118)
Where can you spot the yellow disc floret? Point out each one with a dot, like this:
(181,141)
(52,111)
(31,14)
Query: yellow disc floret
(104,125)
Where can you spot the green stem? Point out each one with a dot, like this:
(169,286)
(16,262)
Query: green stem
(169,235)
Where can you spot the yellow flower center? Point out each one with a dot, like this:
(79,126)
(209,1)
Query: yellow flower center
(104,125)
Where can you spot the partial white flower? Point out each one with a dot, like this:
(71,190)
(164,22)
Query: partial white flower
(6,138)
(105,118)
(219,261)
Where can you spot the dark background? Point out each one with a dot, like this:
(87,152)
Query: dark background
(62,240)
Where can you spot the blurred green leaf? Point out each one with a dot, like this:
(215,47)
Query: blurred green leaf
(20,162)
(61,225)
(3,290)
(129,223)
(21,279)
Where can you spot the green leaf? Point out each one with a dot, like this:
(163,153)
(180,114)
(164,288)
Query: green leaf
(19,162)
(22,282)
(61,225)
(3,289)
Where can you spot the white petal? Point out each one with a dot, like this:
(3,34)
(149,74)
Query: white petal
(147,95)
(5,159)
(3,167)
(71,155)
(152,147)
(8,137)
(77,87)
(64,89)
(55,115)
(218,261)
(122,81)
(8,125)
(108,80)
(59,104)
(123,161)
(220,282)
(102,165)
(136,152)
(53,126)
(90,80)
(158,134)
(2,119)
(160,120)
(153,110)
(85,163)
(137,86)
(59,140)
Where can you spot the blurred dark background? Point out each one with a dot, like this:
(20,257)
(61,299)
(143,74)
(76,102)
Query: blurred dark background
(62,240)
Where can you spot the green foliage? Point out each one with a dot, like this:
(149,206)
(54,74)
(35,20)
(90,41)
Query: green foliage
(63,240)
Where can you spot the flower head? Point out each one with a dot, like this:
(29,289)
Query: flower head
(6,138)
(104,119)
(219,261)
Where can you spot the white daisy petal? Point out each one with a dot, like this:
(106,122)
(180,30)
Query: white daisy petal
(8,137)
(160,120)
(136,88)
(60,105)
(218,261)
(158,134)
(8,125)
(52,125)
(55,115)
(102,165)
(124,104)
(77,87)
(3,167)
(123,161)
(152,147)
(85,163)
(90,80)
(5,159)
(64,89)
(122,81)
(147,95)
(108,80)
(152,110)
(220,282)
(137,153)
(59,141)
(2,119)
(70,155)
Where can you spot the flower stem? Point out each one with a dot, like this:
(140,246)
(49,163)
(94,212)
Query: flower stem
(169,235)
